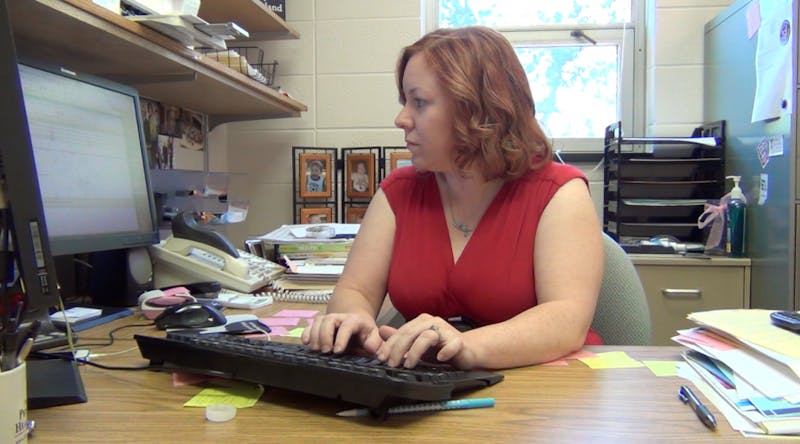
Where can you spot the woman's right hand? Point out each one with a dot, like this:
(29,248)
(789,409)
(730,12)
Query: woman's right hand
(335,332)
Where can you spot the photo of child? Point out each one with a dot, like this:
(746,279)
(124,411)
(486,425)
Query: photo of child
(313,178)
(322,215)
(354,215)
(361,175)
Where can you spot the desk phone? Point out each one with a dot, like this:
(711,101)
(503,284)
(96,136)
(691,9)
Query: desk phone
(194,254)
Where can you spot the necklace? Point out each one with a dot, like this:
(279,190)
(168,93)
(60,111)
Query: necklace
(460,226)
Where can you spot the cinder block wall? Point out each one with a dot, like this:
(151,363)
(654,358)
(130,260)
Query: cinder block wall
(342,68)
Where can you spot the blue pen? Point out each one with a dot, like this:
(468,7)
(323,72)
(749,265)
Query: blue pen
(458,404)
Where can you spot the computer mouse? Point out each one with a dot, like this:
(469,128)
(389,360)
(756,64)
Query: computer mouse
(190,315)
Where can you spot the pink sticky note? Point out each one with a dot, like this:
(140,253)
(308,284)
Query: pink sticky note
(180,379)
(275,321)
(577,355)
(279,331)
(296,313)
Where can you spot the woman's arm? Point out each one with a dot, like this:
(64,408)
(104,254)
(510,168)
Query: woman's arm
(568,269)
(361,289)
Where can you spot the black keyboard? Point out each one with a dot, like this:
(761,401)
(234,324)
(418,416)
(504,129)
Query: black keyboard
(352,378)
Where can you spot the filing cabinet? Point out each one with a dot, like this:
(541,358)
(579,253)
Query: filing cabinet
(676,286)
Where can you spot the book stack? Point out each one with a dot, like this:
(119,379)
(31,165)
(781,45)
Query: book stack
(749,368)
(314,259)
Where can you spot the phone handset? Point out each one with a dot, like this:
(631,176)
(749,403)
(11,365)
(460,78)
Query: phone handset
(184,226)
(207,246)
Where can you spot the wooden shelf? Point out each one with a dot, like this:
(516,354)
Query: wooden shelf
(80,35)
(252,15)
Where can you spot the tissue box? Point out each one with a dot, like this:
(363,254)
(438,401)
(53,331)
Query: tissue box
(277,6)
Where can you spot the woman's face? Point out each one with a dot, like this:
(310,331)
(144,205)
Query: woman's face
(426,118)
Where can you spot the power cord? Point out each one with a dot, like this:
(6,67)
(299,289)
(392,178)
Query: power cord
(71,357)
(111,335)
(69,353)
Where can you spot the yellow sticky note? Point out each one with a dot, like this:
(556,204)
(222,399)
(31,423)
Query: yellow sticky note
(611,360)
(663,368)
(237,395)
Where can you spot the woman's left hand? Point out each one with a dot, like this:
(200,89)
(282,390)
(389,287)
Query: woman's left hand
(428,338)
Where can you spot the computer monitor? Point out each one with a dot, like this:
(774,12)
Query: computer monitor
(91,160)
(93,173)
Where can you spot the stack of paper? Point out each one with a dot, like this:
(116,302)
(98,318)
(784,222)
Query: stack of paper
(752,366)
(314,263)
(183,28)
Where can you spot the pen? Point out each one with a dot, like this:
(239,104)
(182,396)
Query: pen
(8,338)
(458,404)
(686,395)
(290,264)
(24,350)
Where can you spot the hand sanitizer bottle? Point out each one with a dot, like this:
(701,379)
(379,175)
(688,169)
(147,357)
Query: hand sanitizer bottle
(736,212)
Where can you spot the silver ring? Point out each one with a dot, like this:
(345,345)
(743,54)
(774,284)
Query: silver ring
(436,330)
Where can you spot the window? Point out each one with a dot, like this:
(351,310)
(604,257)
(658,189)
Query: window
(583,60)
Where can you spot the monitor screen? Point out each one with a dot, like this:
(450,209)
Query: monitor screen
(91,160)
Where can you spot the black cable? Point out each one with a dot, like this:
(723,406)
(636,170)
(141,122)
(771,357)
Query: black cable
(70,357)
(110,336)
(67,355)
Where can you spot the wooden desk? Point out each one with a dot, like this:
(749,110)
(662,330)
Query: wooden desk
(541,403)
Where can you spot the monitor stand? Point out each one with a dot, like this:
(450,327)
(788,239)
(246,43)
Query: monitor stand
(53,382)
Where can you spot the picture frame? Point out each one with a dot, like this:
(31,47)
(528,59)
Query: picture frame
(360,175)
(399,159)
(314,178)
(316,215)
(354,215)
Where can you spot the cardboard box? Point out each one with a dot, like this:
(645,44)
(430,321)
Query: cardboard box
(277,6)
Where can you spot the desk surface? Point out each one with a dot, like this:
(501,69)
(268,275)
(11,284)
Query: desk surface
(540,403)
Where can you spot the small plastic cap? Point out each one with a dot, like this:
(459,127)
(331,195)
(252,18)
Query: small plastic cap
(736,191)
(320,232)
(220,412)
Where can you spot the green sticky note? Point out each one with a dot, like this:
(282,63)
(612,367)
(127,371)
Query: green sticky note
(237,395)
(296,332)
(611,360)
(663,368)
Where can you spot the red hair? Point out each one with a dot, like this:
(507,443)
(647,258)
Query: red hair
(494,122)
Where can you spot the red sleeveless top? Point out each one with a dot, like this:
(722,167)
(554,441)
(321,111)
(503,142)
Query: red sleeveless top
(493,279)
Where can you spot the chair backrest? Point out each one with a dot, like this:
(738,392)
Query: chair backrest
(622,316)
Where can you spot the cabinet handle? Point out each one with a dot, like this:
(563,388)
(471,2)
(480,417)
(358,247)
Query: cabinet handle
(682,293)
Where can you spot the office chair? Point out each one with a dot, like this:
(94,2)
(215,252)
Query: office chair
(622,316)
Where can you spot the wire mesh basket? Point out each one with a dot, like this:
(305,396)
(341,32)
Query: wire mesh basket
(249,60)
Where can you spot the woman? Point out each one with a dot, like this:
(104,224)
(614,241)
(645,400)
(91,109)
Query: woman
(483,225)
